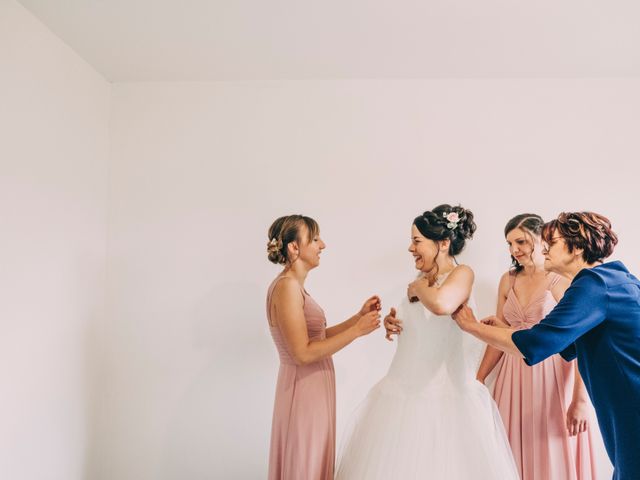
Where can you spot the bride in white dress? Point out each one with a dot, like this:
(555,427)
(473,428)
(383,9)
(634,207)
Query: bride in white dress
(429,418)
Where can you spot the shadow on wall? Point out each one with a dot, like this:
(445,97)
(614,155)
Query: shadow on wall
(221,424)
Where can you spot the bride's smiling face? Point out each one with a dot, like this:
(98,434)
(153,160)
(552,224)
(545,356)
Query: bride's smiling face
(423,249)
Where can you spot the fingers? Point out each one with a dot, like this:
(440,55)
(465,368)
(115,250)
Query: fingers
(460,311)
(392,324)
(575,426)
(580,426)
(376,324)
(373,324)
(392,320)
(392,312)
(368,322)
(491,320)
(375,301)
(372,303)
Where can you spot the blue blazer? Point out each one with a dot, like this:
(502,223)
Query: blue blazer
(598,321)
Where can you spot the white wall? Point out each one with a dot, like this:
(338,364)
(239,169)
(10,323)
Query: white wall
(54,113)
(198,173)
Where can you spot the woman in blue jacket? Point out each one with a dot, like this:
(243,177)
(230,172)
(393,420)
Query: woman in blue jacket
(597,321)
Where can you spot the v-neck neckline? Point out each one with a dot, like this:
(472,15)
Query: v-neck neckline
(543,291)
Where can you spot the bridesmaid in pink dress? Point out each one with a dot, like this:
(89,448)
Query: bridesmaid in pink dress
(545,408)
(304,413)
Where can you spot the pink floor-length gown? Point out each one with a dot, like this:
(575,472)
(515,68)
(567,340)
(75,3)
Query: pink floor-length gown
(304,414)
(533,402)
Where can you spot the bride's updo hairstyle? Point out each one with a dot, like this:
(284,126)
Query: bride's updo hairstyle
(285,230)
(447,223)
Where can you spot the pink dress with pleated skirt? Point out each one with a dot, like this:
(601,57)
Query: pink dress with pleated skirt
(304,414)
(533,402)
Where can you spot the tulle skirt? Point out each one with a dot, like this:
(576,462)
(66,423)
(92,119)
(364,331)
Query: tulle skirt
(448,431)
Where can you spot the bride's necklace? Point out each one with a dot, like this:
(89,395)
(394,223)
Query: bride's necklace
(440,278)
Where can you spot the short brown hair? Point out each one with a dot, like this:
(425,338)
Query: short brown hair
(586,230)
(285,230)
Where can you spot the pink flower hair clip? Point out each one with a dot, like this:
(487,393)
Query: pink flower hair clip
(452,219)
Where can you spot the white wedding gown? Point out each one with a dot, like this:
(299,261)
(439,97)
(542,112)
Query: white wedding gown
(428,418)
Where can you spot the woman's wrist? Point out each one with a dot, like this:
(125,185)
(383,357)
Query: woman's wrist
(579,398)
(353,331)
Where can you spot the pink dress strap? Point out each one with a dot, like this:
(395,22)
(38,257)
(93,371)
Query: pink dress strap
(555,278)
(272,287)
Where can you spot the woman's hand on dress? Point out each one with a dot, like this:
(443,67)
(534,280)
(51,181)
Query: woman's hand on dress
(367,323)
(464,316)
(577,417)
(392,325)
(372,303)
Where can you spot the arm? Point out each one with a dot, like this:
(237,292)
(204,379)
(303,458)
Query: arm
(579,390)
(343,326)
(372,303)
(578,411)
(582,308)
(497,337)
(444,300)
(493,355)
(288,303)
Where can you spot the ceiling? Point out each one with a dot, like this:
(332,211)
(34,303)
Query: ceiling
(204,40)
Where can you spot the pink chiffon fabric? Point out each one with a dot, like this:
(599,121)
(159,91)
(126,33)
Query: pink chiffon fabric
(304,414)
(533,402)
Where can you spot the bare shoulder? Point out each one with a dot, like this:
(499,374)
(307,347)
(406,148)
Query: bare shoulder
(460,274)
(287,290)
(505,281)
(463,271)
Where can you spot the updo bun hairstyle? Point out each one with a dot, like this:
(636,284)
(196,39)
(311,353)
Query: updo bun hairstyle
(285,230)
(446,222)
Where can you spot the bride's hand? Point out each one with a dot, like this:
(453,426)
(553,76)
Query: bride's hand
(412,289)
(372,304)
(392,325)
